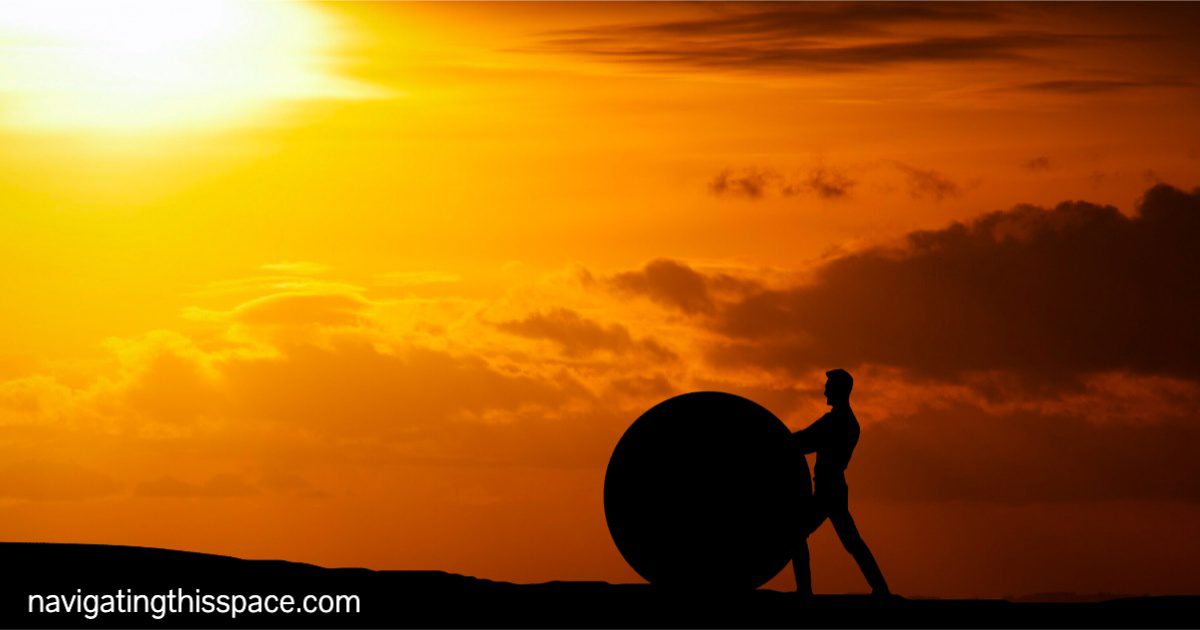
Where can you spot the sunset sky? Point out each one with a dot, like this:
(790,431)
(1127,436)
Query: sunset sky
(382,284)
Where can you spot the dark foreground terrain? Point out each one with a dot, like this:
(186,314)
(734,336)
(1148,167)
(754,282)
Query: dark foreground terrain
(436,599)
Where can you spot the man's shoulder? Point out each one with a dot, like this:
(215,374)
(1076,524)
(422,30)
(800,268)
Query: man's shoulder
(844,417)
(841,413)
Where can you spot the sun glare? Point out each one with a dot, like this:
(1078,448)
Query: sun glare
(150,64)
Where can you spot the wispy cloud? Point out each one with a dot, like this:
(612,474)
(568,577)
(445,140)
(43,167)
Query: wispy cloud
(759,183)
(816,37)
(1099,86)
(928,183)
(749,183)
(1039,163)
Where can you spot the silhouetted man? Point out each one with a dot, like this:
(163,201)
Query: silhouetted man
(833,438)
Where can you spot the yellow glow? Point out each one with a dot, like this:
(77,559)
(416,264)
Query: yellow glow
(148,64)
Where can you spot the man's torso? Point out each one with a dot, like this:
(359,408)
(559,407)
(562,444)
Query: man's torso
(833,456)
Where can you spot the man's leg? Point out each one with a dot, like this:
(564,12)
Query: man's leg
(801,562)
(847,532)
(802,567)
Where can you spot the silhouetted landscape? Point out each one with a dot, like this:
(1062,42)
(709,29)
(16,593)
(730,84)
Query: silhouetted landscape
(439,599)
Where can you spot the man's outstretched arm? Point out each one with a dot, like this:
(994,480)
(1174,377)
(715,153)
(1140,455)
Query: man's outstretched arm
(814,436)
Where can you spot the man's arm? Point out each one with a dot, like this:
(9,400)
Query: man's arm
(814,437)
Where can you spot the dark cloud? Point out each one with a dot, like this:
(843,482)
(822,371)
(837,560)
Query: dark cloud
(1098,86)
(928,183)
(579,336)
(809,36)
(748,183)
(1043,293)
(824,183)
(755,183)
(669,283)
(1077,288)
(959,453)
(678,286)
(815,57)
(786,22)
(1039,163)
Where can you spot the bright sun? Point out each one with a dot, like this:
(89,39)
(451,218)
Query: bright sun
(154,64)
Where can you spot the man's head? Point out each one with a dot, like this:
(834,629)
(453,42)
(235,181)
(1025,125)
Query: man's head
(838,384)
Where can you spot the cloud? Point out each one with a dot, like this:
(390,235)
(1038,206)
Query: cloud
(578,336)
(297,267)
(655,387)
(1039,163)
(1048,293)
(825,183)
(813,38)
(1098,86)
(928,183)
(288,368)
(791,21)
(816,57)
(748,183)
(351,387)
(170,383)
(311,307)
(678,286)
(670,283)
(960,453)
(755,184)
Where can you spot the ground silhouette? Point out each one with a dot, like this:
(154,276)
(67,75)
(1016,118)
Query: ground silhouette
(440,600)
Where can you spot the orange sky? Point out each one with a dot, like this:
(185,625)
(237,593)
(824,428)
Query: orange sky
(381,284)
